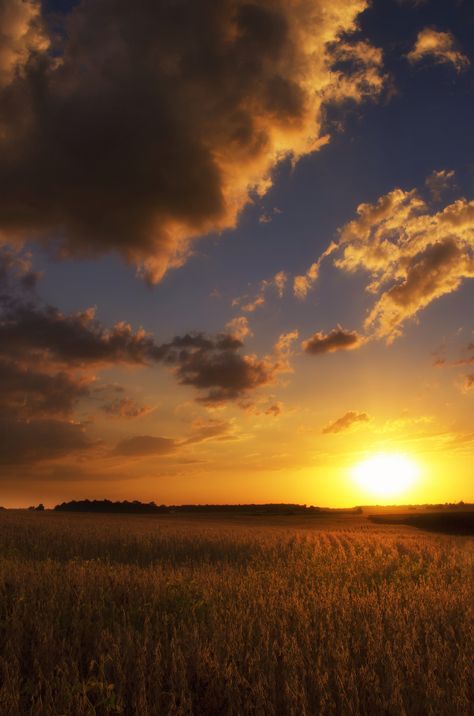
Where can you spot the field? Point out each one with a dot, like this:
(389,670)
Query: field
(170,615)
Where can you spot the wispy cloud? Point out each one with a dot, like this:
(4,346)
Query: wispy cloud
(345,422)
(276,285)
(303,283)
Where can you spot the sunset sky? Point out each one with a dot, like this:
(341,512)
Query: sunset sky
(236,240)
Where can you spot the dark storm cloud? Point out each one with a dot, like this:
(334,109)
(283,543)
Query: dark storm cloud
(138,127)
(339,339)
(345,422)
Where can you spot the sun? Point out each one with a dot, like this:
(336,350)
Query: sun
(386,474)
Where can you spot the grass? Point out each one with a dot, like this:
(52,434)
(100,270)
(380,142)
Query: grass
(162,615)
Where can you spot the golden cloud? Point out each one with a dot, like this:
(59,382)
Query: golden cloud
(439,46)
(413,256)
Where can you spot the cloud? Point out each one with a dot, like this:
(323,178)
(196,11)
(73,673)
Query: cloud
(138,133)
(358,72)
(48,362)
(216,367)
(437,270)
(29,392)
(302,284)
(202,431)
(277,284)
(468,382)
(274,409)
(141,445)
(345,422)
(284,346)
(464,361)
(22,35)
(75,339)
(413,255)
(126,408)
(58,343)
(239,327)
(32,441)
(439,46)
(465,383)
(206,430)
(438,182)
(338,339)
(267,216)
(263,405)
(16,269)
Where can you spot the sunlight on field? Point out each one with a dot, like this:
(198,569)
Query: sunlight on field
(386,474)
(145,615)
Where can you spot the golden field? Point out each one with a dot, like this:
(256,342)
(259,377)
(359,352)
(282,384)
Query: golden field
(115,614)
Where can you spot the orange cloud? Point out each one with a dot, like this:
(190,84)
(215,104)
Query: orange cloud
(338,339)
(277,284)
(439,46)
(239,327)
(302,284)
(413,256)
(22,35)
(469,382)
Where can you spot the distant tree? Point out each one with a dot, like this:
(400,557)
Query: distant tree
(40,507)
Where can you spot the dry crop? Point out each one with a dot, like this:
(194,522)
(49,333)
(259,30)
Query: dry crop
(152,615)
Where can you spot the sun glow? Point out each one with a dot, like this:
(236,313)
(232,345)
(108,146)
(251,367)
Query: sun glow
(386,474)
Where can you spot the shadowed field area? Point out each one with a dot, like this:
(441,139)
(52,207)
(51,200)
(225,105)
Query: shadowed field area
(114,614)
(455,523)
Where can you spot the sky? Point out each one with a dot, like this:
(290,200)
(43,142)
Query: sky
(236,244)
